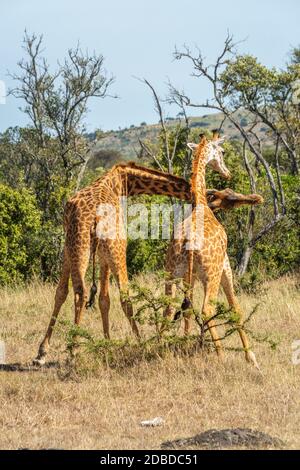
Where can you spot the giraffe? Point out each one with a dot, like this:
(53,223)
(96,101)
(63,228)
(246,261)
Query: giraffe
(208,262)
(80,221)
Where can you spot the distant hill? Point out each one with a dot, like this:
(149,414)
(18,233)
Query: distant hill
(124,143)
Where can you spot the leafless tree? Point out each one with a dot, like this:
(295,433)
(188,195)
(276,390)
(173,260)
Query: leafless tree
(173,138)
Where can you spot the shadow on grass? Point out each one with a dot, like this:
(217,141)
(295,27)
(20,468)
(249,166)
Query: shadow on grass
(125,354)
(18,367)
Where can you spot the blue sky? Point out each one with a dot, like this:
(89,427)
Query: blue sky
(137,38)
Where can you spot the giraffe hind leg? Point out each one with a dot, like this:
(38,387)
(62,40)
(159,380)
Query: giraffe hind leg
(208,310)
(60,297)
(187,304)
(93,291)
(104,300)
(78,271)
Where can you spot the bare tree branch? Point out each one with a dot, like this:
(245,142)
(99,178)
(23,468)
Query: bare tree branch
(219,102)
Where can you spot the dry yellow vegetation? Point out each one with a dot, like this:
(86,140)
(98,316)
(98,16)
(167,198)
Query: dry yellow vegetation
(102,409)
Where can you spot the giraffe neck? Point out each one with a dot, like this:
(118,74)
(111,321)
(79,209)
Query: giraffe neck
(198,193)
(142,180)
(198,185)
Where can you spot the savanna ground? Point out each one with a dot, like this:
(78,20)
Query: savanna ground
(98,407)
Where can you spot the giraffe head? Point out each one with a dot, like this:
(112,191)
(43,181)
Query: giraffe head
(213,153)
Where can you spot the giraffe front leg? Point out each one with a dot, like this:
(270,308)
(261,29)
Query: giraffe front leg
(169,311)
(126,304)
(227,284)
(119,270)
(114,251)
(170,291)
(128,309)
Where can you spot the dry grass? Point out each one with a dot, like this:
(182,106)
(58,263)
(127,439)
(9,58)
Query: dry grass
(102,409)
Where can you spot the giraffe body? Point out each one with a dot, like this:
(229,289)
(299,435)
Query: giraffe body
(80,221)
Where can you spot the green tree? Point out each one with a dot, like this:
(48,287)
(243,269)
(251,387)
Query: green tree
(20,225)
(50,155)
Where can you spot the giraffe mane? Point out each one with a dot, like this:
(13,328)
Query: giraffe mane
(132,170)
(152,171)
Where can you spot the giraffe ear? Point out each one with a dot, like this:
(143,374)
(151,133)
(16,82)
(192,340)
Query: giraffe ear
(192,146)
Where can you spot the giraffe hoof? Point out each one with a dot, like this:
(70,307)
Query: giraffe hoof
(39,361)
(252,359)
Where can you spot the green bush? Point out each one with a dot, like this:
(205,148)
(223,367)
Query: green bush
(19,234)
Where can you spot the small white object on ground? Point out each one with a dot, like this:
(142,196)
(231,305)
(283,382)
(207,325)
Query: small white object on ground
(2,352)
(158,421)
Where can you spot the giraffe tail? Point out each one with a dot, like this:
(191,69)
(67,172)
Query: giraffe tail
(93,291)
(186,305)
